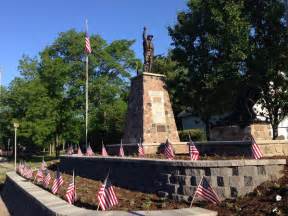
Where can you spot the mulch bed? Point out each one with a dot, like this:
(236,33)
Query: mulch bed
(260,202)
(87,189)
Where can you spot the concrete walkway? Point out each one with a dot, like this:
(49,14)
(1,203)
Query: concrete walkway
(3,209)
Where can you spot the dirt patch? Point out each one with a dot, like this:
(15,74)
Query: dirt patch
(87,190)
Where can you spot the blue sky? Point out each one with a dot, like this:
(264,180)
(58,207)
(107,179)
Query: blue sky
(28,26)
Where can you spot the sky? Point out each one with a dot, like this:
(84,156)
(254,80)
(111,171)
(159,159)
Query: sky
(27,27)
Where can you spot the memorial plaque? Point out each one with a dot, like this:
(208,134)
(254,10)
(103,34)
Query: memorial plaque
(158,110)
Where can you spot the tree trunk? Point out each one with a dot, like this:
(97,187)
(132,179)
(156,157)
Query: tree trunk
(275,131)
(57,145)
(50,149)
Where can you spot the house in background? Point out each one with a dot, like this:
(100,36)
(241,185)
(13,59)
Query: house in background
(190,121)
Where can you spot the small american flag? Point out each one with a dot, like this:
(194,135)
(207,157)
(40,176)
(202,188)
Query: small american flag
(20,168)
(71,191)
(27,172)
(121,150)
(47,179)
(43,164)
(58,181)
(205,191)
(39,175)
(104,152)
(256,151)
(106,195)
(168,150)
(70,150)
(88,48)
(89,151)
(193,152)
(140,150)
(79,152)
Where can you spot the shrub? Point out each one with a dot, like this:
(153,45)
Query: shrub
(196,135)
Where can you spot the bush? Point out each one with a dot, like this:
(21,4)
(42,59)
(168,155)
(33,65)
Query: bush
(196,135)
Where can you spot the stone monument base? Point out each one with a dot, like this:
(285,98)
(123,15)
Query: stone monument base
(260,131)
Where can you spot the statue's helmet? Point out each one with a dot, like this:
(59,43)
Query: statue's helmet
(149,37)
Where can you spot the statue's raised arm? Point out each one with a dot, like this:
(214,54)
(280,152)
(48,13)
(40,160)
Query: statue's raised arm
(148,51)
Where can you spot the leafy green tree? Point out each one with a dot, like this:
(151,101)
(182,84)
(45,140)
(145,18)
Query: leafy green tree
(62,72)
(211,40)
(267,60)
(30,105)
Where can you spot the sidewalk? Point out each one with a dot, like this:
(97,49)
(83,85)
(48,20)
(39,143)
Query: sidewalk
(3,209)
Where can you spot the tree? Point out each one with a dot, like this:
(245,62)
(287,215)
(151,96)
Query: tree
(210,39)
(48,99)
(267,61)
(62,72)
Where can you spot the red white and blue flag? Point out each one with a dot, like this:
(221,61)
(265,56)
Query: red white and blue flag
(58,181)
(193,151)
(71,191)
(28,172)
(106,195)
(39,175)
(168,150)
(70,150)
(141,152)
(88,48)
(79,152)
(89,151)
(43,165)
(104,152)
(121,150)
(47,179)
(205,191)
(256,151)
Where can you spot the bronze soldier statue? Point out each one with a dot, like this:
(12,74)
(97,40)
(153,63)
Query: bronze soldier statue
(148,51)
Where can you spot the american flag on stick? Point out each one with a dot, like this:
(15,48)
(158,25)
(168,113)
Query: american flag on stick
(20,168)
(27,172)
(88,48)
(58,181)
(79,152)
(104,152)
(193,151)
(47,179)
(70,150)
(106,195)
(168,150)
(121,150)
(71,191)
(43,164)
(39,175)
(140,149)
(256,151)
(205,191)
(89,151)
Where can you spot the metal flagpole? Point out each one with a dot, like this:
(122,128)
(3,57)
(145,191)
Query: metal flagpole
(86,95)
(195,192)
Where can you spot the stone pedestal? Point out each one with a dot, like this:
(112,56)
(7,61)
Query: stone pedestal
(150,115)
(260,131)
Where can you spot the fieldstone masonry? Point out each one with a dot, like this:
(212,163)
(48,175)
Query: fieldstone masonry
(260,131)
(179,179)
(150,115)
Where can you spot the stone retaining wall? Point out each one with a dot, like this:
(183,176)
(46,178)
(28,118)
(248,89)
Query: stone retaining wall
(24,198)
(225,148)
(230,178)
